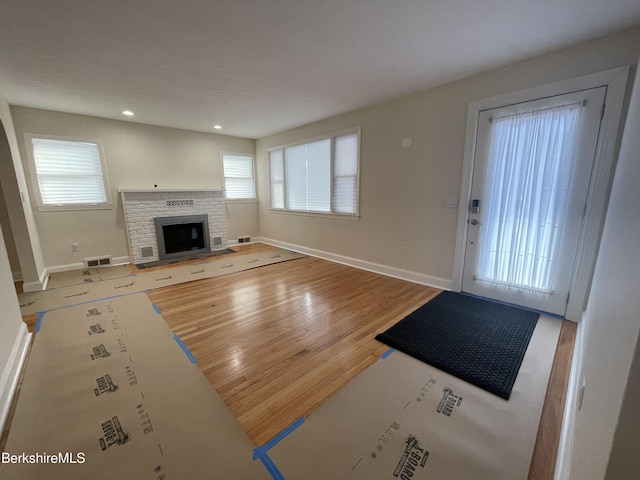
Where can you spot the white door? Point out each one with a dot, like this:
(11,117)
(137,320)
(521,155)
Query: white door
(531,177)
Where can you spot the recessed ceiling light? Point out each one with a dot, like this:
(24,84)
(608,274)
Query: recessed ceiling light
(128,113)
(217,127)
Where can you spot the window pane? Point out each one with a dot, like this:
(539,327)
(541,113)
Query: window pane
(319,176)
(344,195)
(238,176)
(296,175)
(239,188)
(68,173)
(277,195)
(238,166)
(345,168)
(58,190)
(308,176)
(346,155)
(277,179)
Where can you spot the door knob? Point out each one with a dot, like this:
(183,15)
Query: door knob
(473,221)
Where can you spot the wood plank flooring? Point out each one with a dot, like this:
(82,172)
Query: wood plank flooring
(278,341)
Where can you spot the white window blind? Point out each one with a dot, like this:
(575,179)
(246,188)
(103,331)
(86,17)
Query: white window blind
(308,177)
(68,173)
(317,177)
(276,166)
(239,181)
(345,174)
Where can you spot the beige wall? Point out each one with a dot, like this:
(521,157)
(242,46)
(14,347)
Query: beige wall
(11,326)
(610,327)
(403,191)
(624,463)
(10,244)
(5,154)
(137,156)
(12,329)
(14,186)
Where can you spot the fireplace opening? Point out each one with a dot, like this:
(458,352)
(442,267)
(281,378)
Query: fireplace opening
(184,235)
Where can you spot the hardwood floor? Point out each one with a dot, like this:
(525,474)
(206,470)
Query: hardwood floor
(278,341)
(543,463)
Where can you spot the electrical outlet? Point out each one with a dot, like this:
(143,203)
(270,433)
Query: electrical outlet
(403,251)
(75,247)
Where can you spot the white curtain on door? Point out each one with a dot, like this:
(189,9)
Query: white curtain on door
(531,159)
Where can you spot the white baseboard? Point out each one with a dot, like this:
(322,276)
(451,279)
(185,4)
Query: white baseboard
(17,276)
(567,433)
(11,372)
(234,243)
(42,283)
(80,265)
(121,260)
(402,274)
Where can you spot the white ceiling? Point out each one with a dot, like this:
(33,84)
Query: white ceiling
(259,67)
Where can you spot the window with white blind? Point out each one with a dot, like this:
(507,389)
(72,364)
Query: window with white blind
(239,179)
(69,173)
(319,176)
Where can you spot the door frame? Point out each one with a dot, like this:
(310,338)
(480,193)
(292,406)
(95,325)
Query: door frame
(608,143)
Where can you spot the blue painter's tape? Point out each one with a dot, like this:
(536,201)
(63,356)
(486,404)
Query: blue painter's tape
(260,451)
(184,349)
(388,352)
(271,467)
(157,309)
(39,322)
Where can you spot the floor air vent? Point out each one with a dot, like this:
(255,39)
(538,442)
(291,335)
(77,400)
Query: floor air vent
(97,261)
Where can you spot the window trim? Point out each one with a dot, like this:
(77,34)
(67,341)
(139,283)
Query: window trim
(255,178)
(331,136)
(33,176)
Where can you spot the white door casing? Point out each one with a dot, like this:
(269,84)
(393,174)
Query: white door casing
(616,81)
(523,251)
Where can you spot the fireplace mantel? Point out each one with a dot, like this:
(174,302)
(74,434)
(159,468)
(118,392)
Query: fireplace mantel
(168,190)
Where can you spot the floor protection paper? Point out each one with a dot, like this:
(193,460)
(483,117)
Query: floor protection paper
(33,302)
(86,275)
(108,387)
(404,419)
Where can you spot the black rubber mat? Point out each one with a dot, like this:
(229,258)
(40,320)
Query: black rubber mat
(476,340)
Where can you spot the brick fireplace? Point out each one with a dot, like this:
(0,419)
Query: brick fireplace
(143,207)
